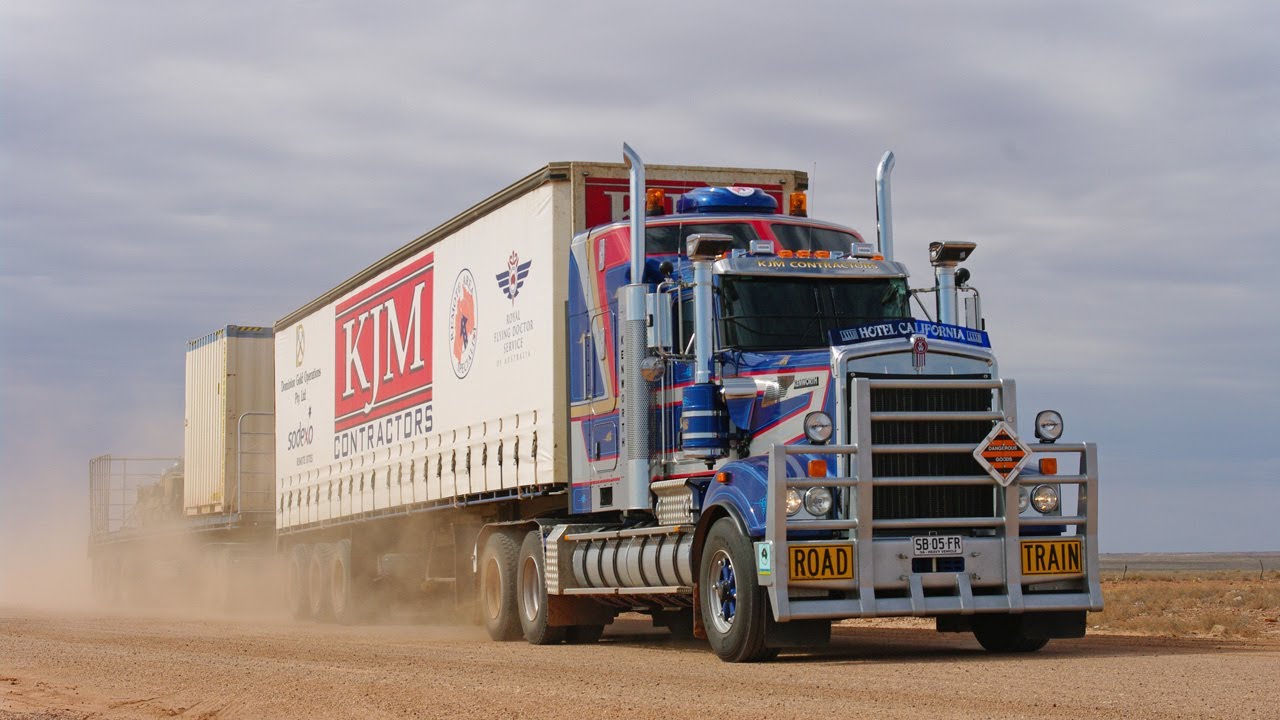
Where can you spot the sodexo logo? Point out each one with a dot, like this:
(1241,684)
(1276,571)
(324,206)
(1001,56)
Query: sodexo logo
(301,437)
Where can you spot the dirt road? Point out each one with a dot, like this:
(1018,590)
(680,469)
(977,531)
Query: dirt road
(60,666)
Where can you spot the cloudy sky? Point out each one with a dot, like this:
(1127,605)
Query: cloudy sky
(172,167)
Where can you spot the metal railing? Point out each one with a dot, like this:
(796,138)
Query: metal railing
(114,484)
(858,525)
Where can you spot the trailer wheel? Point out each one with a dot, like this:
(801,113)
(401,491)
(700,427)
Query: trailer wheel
(297,584)
(318,582)
(733,603)
(498,587)
(532,599)
(1004,634)
(343,598)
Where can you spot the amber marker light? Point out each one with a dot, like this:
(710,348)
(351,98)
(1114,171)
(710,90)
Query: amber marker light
(723,477)
(817,468)
(1049,466)
(655,202)
(798,204)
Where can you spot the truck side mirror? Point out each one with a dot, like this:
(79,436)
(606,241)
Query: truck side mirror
(658,308)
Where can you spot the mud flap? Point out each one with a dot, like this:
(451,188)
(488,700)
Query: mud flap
(797,633)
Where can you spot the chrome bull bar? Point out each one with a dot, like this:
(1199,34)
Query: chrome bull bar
(949,593)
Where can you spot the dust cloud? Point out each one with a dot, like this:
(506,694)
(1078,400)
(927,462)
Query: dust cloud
(44,559)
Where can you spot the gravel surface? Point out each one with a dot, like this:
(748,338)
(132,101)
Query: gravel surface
(67,665)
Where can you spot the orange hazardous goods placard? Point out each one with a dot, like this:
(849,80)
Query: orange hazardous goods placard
(1002,453)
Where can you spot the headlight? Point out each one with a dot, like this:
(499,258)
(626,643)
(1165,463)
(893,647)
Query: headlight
(818,501)
(793,501)
(817,427)
(1048,425)
(1024,497)
(1044,498)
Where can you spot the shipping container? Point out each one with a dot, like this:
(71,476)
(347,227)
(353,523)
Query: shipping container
(395,390)
(229,432)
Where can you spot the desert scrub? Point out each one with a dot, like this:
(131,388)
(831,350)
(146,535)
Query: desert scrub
(1226,604)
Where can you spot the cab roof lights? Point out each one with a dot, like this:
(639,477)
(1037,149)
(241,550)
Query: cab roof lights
(798,205)
(655,202)
(727,199)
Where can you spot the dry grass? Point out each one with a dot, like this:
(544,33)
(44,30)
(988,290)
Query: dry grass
(1191,604)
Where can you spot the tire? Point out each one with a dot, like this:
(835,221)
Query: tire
(1004,634)
(296,586)
(318,583)
(734,606)
(343,597)
(531,595)
(498,587)
(583,634)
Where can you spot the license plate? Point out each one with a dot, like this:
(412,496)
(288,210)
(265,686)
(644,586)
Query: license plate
(1051,557)
(933,545)
(820,562)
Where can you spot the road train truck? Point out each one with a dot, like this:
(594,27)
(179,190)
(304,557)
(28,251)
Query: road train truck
(729,416)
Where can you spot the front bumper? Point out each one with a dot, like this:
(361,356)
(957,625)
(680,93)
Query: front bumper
(884,581)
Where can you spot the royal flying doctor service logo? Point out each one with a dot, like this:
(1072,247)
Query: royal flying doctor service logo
(512,279)
(463,323)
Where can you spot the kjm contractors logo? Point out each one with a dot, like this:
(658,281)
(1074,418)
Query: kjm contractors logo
(383,346)
(463,323)
(510,281)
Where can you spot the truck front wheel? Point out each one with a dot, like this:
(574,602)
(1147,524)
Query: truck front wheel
(734,606)
(1005,634)
(498,587)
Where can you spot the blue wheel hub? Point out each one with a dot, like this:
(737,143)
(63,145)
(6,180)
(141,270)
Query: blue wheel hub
(724,591)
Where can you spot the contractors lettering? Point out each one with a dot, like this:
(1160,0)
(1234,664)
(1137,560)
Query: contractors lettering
(384,432)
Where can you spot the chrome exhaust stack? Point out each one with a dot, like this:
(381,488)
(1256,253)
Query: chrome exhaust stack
(636,167)
(884,209)
(635,347)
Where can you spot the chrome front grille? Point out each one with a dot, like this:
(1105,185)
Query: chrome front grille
(930,501)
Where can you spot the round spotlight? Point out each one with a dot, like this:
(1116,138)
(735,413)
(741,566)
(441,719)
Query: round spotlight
(818,427)
(818,501)
(1044,499)
(793,501)
(1048,425)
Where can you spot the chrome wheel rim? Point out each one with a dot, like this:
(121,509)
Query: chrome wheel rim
(492,588)
(529,590)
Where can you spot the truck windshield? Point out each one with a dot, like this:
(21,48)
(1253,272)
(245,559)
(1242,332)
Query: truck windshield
(808,237)
(765,313)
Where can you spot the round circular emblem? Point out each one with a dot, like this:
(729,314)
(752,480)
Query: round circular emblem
(463,324)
